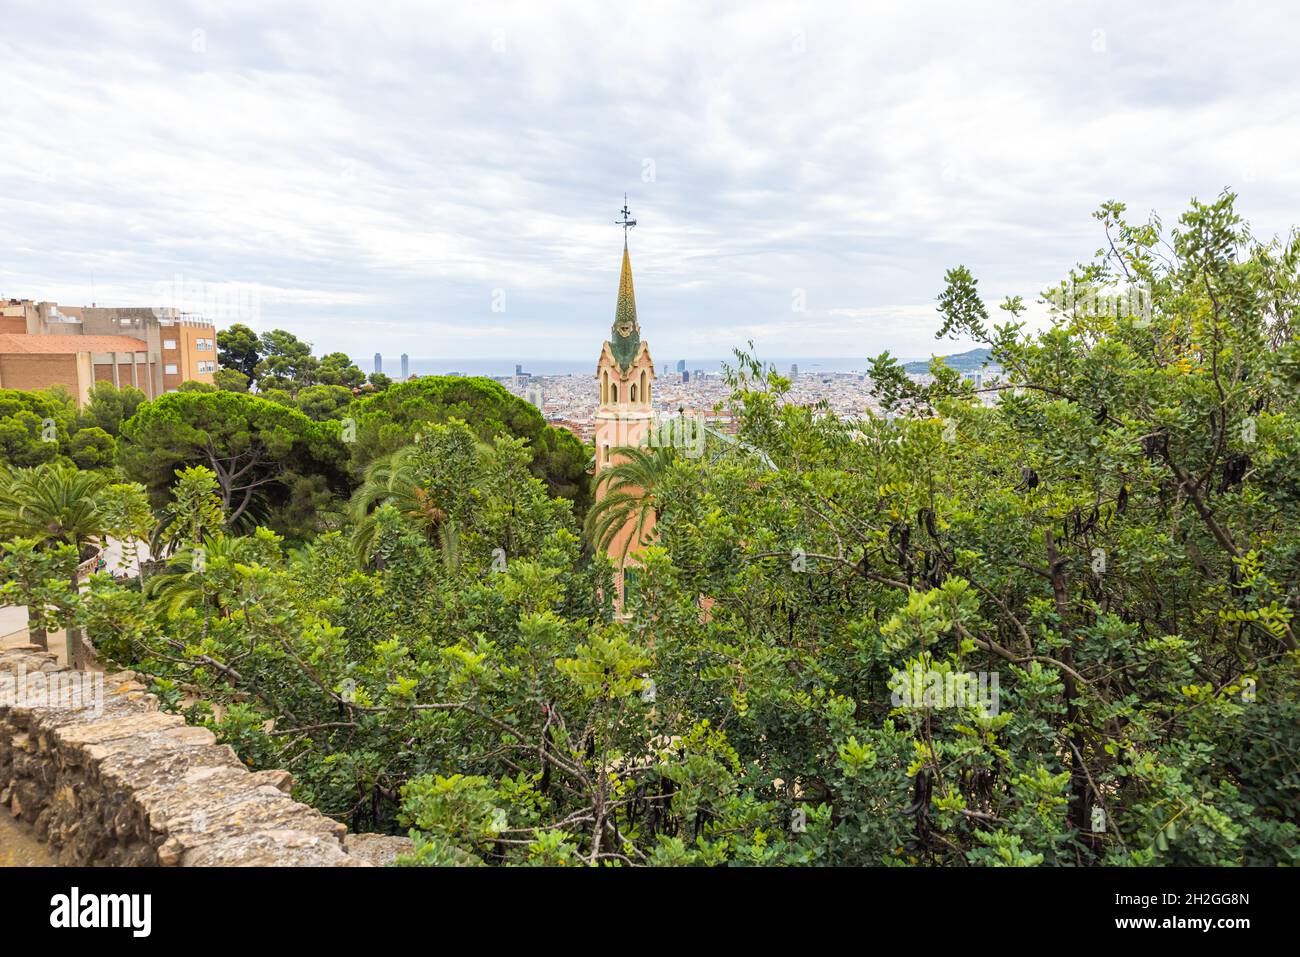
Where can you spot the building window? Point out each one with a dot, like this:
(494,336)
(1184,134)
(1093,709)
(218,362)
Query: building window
(614,392)
(170,368)
(169,343)
(633,396)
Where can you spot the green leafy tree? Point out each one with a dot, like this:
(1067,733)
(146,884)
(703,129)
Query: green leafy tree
(337,369)
(128,518)
(196,512)
(36,576)
(92,448)
(194,385)
(109,406)
(239,349)
(231,380)
(35,427)
(57,505)
(392,419)
(255,448)
(321,402)
(286,362)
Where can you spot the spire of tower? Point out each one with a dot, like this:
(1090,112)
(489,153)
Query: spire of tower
(625,336)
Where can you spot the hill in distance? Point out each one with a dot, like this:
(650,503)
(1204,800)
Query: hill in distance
(971,361)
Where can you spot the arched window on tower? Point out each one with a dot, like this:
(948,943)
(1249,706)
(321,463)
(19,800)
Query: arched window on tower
(614,394)
(645,396)
(633,395)
(604,387)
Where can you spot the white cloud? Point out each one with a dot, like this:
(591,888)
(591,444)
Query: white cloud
(379,171)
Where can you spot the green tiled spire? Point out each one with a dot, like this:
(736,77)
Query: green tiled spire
(625,336)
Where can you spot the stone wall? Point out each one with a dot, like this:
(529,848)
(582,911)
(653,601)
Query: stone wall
(132,786)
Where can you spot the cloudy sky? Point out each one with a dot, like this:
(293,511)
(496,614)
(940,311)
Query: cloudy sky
(382,176)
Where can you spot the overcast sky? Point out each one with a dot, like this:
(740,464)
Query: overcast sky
(389,177)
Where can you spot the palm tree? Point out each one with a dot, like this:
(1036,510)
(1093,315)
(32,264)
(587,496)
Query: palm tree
(56,504)
(627,494)
(392,481)
(185,581)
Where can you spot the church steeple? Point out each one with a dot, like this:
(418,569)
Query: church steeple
(625,418)
(625,334)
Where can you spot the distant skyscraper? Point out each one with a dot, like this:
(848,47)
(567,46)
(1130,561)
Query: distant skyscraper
(379,362)
(535,394)
(406,366)
(681,365)
(686,374)
(519,369)
(794,369)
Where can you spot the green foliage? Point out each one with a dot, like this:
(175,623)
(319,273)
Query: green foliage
(57,504)
(1116,539)
(259,451)
(337,369)
(286,362)
(320,402)
(231,380)
(196,512)
(44,426)
(59,509)
(109,406)
(393,418)
(36,575)
(92,448)
(279,361)
(239,349)
(193,385)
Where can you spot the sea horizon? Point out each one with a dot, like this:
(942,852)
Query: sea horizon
(500,367)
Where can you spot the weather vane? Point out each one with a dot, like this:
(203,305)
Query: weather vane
(626,222)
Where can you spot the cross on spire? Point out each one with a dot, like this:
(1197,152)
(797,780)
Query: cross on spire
(626,222)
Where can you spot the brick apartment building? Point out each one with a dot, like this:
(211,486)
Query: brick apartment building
(44,344)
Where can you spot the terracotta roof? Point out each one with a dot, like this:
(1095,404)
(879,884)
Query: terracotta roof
(64,345)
